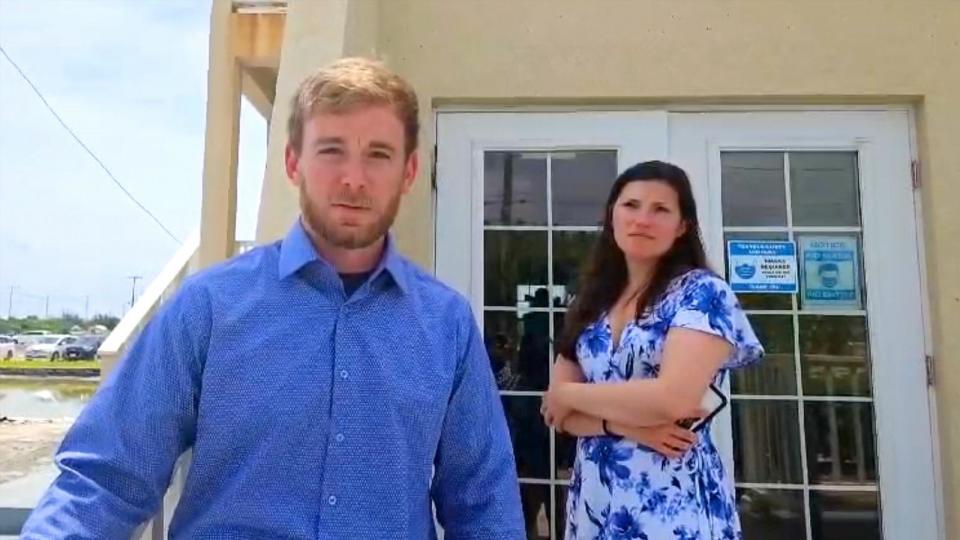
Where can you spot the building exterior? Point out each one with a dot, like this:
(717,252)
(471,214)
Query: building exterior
(832,125)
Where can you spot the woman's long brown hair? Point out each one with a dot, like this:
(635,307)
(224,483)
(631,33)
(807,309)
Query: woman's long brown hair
(604,276)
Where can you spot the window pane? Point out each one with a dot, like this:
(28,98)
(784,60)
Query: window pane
(762,301)
(514,188)
(562,493)
(776,374)
(823,189)
(515,268)
(558,318)
(834,356)
(840,443)
(845,515)
(753,189)
(570,251)
(771,513)
(519,349)
(565,449)
(535,500)
(766,442)
(581,182)
(531,443)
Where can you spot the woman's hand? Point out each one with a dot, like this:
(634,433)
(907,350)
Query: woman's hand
(554,413)
(670,440)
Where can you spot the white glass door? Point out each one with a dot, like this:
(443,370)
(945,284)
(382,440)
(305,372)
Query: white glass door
(830,437)
(520,198)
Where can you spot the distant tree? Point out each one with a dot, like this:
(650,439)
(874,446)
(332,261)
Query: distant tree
(106,320)
(9,327)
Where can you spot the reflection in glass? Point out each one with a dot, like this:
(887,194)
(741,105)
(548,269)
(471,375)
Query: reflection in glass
(535,500)
(562,492)
(848,515)
(570,252)
(840,443)
(834,356)
(753,189)
(531,443)
(823,189)
(766,442)
(580,182)
(514,259)
(776,374)
(771,513)
(514,188)
(519,349)
(558,318)
(565,448)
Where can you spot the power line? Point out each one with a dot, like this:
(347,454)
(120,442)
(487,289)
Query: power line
(84,146)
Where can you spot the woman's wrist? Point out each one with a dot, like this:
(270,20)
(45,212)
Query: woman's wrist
(562,393)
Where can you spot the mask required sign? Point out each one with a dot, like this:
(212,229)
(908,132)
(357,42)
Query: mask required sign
(762,266)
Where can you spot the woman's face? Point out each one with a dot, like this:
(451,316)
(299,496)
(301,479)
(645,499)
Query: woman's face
(647,219)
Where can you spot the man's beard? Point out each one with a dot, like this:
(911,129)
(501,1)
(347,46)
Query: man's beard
(347,237)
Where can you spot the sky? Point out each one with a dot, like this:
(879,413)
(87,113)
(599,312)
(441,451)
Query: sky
(129,78)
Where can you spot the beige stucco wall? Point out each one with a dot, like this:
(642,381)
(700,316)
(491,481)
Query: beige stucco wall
(664,51)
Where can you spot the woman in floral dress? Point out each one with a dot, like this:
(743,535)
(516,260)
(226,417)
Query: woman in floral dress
(650,329)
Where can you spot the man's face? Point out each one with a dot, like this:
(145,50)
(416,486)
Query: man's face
(351,171)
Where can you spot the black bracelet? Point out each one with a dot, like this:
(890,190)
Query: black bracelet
(606,429)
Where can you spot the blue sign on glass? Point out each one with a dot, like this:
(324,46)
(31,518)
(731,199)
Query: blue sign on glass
(830,272)
(762,266)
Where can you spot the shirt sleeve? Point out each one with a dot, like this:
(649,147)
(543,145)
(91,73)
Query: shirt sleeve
(475,486)
(117,459)
(705,303)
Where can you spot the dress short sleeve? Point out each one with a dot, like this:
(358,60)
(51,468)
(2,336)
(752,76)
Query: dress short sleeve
(704,302)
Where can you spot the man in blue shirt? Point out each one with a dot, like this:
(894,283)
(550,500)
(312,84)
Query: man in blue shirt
(327,387)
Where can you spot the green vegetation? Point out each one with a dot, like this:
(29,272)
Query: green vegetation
(46,364)
(59,325)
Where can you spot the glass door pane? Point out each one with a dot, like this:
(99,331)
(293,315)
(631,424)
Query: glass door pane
(803,422)
(542,212)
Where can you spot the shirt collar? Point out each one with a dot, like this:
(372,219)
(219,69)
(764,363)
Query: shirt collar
(297,251)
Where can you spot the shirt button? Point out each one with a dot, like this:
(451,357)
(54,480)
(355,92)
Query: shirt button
(344,374)
(332,500)
(339,437)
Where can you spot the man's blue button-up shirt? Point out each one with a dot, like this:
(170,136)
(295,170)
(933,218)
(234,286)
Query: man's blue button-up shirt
(310,414)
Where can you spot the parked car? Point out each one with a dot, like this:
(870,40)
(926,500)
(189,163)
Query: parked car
(29,337)
(49,347)
(8,347)
(84,348)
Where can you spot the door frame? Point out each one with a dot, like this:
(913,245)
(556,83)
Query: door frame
(890,416)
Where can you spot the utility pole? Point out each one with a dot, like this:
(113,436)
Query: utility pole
(133,289)
(10,303)
(86,309)
(46,308)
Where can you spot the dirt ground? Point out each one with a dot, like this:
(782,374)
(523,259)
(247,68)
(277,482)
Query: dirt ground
(27,445)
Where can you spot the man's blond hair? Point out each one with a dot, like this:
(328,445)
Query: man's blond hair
(349,83)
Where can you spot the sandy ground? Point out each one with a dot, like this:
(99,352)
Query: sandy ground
(26,458)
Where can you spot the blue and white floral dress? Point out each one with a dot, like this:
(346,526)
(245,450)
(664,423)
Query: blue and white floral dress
(622,490)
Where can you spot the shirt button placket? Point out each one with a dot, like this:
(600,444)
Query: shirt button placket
(339,393)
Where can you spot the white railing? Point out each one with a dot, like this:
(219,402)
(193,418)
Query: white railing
(160,289)
(168,281)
